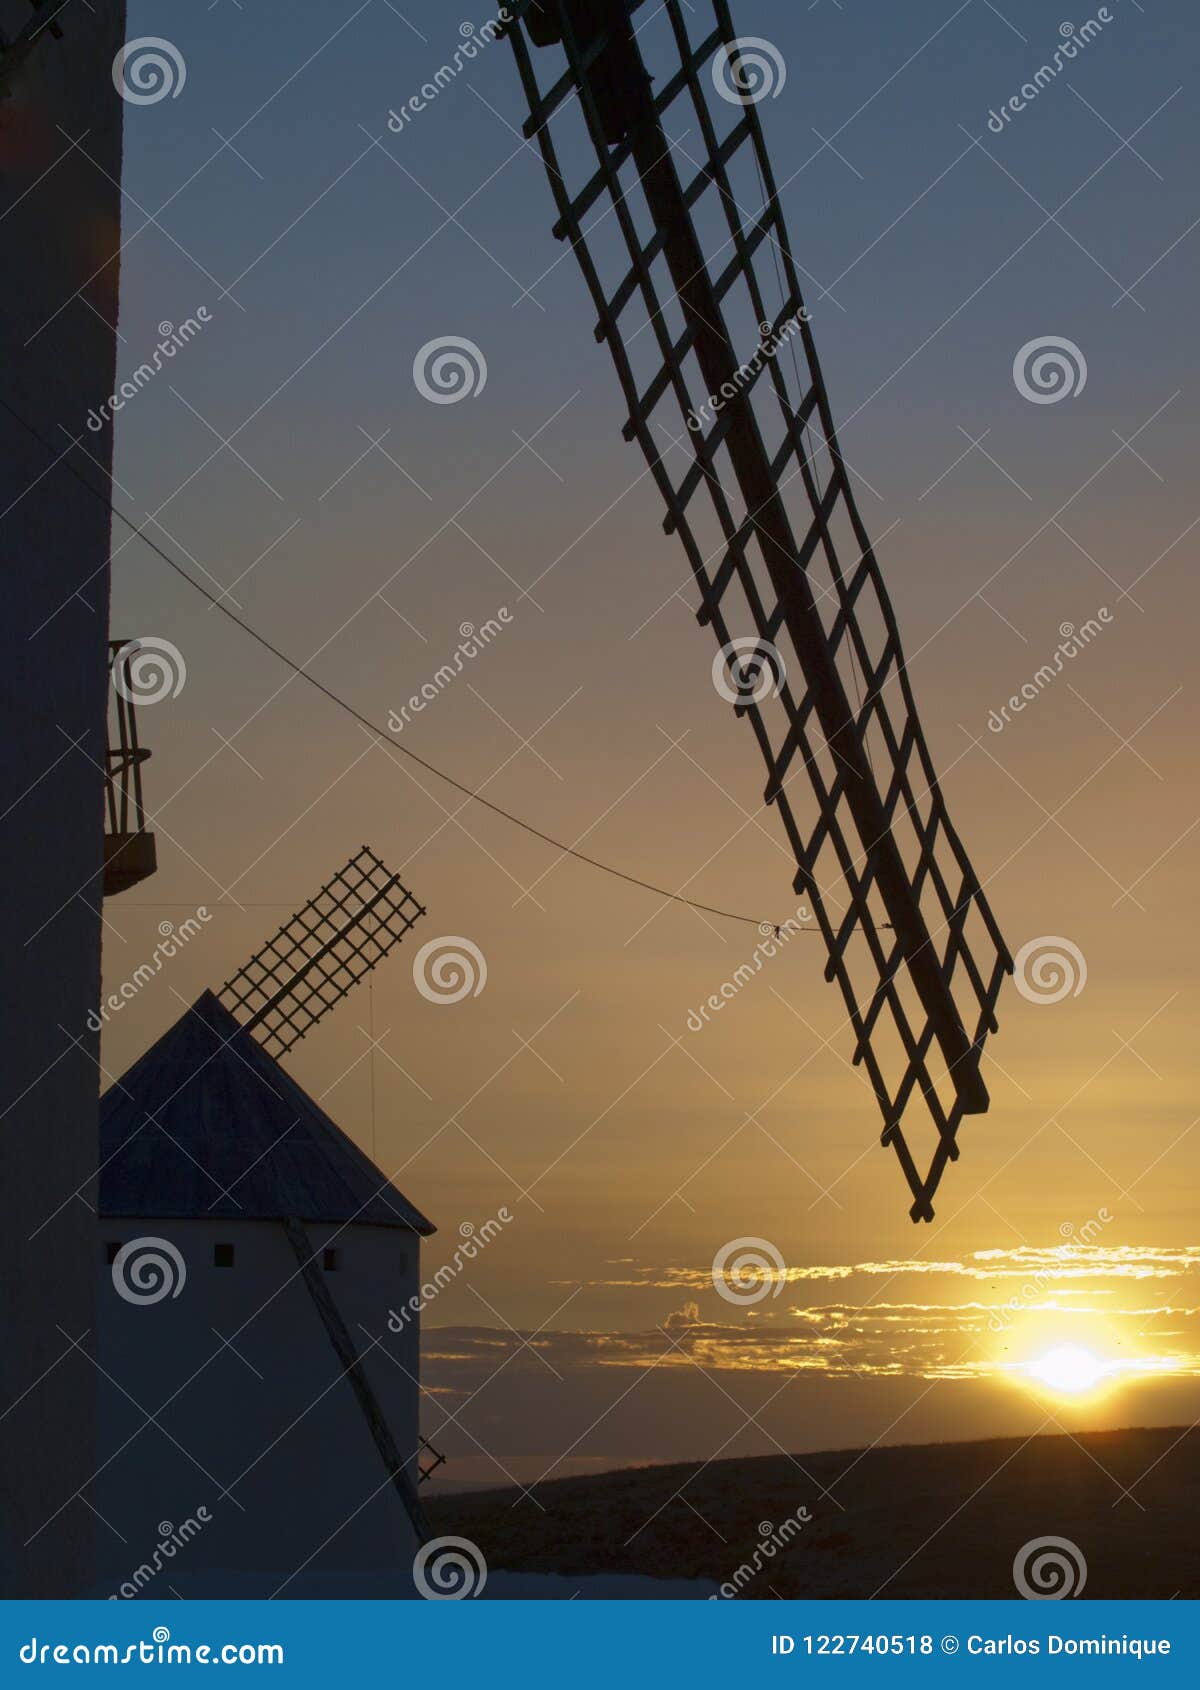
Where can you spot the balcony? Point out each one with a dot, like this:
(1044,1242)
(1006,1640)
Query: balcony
(129,855)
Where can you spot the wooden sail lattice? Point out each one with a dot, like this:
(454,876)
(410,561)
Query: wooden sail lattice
(429,1460)
(321,953)
(658,166)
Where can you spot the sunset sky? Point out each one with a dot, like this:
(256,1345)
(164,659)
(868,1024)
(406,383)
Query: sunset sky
(288,459)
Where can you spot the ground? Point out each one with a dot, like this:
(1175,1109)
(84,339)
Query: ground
(933,1520)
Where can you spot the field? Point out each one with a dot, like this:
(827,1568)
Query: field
(932,1520)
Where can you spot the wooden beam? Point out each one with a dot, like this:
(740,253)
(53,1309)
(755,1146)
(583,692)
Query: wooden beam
(368,1402)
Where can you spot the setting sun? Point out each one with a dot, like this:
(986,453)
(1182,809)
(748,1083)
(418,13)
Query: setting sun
(1070,1368)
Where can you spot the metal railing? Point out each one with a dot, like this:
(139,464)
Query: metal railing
(129,854)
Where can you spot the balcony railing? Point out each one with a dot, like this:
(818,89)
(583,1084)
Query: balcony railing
(129,854)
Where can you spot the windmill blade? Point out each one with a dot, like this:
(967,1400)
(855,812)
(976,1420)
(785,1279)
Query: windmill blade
(669,202)
(321,953)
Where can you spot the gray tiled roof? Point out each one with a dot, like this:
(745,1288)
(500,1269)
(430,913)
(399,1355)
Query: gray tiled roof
(207,1124)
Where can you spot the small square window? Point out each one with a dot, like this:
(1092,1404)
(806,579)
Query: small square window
(222,1255)
(331,1260)
(111,1249)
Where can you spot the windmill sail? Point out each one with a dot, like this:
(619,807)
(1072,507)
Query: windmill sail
(660,174)
(321,953)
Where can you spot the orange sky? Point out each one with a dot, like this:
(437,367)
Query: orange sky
(571,1089)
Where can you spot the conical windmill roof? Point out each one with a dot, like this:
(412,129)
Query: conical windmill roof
(207,1125)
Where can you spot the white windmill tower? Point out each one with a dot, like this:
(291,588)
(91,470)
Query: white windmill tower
(259,1422)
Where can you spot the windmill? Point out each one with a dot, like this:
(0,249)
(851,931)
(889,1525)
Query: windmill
(213,1153)
(659,170)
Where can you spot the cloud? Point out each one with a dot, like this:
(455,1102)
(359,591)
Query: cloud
(834,1340)
(1048,1263)
(688,1315)
(828,1376)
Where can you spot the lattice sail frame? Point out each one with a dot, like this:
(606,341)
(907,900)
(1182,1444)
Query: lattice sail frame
(881,863)
(321,953)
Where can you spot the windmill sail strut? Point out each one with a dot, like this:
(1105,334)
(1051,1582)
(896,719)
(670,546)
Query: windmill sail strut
(881,863)
(321,953)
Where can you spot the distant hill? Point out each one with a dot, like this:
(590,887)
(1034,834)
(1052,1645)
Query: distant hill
(927,1520)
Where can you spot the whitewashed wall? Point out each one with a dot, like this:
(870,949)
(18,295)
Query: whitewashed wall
(275,1422)
(59,222)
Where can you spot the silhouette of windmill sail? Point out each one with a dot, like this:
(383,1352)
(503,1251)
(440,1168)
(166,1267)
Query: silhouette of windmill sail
(667,197)
(321,953)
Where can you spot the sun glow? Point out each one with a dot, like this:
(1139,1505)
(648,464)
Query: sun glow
(1070,1370)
